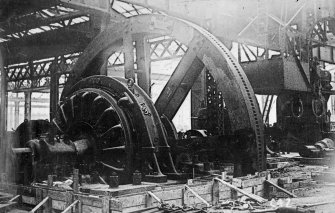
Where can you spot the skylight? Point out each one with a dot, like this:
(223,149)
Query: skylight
(129,10)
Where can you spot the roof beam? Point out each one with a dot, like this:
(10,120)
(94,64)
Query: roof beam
(33,24)
(48,44)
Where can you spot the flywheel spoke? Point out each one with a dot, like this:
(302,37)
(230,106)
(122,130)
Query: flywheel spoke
(113,132)
(62,110)
(87,99)
(116,148)
(77,107)
(107,118)
(99,105)
(111,167)
(83,105)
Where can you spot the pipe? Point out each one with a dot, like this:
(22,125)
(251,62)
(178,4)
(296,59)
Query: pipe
(21,150)
(46,149)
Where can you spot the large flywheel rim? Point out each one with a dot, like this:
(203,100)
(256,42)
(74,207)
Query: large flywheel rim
(238,93)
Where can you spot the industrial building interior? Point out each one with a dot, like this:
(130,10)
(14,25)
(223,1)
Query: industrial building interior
(167,106)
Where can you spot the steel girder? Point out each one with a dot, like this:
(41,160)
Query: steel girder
(35,75)
(19,76)
(40,21)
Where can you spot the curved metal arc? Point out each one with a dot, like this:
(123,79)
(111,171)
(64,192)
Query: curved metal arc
(61,107)
(155,126)
(111,167)
(104,113)
(248,115)
(113,128)
(171,130)
(94,49)
(214,64)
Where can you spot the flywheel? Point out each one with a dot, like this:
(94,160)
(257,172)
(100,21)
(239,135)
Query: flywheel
(204,52)
(94,113)
(116,120)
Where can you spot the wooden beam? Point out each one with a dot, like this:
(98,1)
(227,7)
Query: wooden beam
(105,204)
(280,188)
(70,206)
(160,201)
(14,198)
(196,195)
(215,193)
(48,208)
(252,196)
(76,180)
(39,205)
(5,206)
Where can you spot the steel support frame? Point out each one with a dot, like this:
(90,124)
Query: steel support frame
(16,111)
(180,83)
(3,95)
(54,94)
(129,60)
(36,75)
(251,53)
(160,50)
(166,49)
(143,64)
(211,54)
(27,105)
(3,111)
(25,25)
(104,68)
(198,96)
